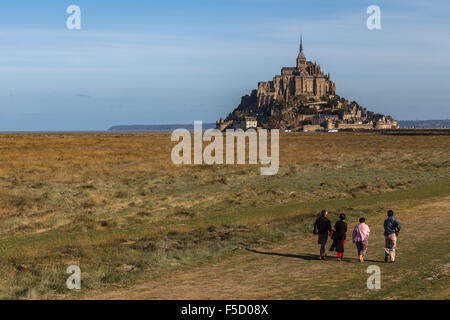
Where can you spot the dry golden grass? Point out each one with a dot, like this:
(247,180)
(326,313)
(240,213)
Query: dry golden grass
(77,197)
(86,180)
(291,270)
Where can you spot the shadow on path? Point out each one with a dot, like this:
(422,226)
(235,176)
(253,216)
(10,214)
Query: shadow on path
(307,257)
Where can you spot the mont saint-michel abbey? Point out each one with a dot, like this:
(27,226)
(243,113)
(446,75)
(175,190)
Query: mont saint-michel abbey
(304,79)
(302,98)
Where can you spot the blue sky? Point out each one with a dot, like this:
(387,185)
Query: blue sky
(151,62)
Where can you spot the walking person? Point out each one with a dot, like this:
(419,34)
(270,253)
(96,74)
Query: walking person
(360,236)
(322,227)
(391,230)
(340,230)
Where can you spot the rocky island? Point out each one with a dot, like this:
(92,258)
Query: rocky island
(302,98)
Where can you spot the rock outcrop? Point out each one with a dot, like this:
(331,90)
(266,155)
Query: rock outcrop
(302,98)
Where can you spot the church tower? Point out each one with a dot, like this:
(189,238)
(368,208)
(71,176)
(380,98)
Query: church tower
(301,59)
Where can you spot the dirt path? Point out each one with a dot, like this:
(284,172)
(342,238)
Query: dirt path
(291,270)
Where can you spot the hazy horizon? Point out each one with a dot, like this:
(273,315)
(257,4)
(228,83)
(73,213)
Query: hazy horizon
(176,62)
(173,126)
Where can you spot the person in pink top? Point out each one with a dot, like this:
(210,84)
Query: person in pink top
(360,236)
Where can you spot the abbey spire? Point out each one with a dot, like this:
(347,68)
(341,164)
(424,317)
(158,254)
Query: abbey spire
(301,59)
(301,43)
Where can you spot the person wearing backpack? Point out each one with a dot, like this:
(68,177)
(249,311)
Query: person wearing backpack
(322,227)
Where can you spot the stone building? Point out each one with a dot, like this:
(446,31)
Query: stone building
(305,79)
(246,123)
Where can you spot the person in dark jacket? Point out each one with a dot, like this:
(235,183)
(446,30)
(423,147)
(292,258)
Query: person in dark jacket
(340,229)
(322,227)
(391,230)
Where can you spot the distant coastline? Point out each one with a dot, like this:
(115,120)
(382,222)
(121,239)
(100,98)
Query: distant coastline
(425,124)
(405,124)
(158,127)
